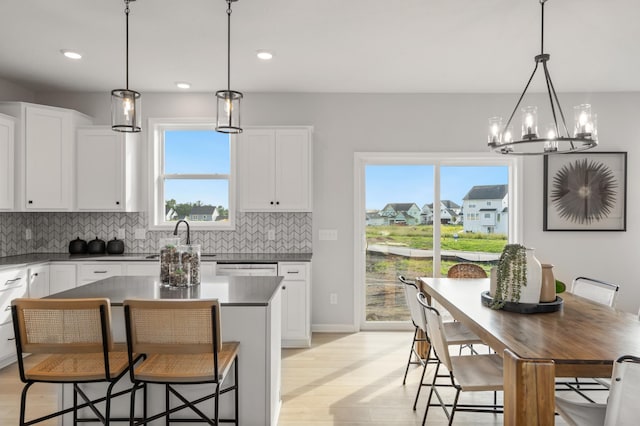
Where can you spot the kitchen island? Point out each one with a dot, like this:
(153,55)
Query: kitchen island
(250,314)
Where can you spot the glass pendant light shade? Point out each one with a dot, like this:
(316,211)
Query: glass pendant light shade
(125,111)
(228,115)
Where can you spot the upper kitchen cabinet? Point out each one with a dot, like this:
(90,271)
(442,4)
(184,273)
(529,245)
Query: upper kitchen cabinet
(44,154)
(274,169)
(6,162)
(106,170)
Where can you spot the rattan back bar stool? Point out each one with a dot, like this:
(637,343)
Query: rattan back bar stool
(76,334)
(182,345)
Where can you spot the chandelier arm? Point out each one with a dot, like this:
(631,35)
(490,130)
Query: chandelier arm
(547,79)
(555,96)
(513,113)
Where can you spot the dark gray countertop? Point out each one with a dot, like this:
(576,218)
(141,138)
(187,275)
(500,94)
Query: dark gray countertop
(27,259)
(230,291)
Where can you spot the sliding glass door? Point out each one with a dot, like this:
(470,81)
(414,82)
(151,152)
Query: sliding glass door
(421,216)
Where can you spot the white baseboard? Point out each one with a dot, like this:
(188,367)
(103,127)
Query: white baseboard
(334,328)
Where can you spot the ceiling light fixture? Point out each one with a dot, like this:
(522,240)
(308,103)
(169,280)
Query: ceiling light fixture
(183,85)
(71,54)
(556,139)
(228,116)
(265,55)
(125,103)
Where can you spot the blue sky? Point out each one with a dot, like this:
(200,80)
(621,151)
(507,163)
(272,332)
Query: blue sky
(197,151)
(414,184)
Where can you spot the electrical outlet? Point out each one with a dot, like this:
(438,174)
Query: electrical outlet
(140,234)
(121,234)
(328,234)
(271,234)
(27,234)
(333,298)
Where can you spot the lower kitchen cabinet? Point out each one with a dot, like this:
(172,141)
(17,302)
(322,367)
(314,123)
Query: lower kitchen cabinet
(90,272)
(296,304)
(62,276)
(139,269)
(38,281)
(13,284)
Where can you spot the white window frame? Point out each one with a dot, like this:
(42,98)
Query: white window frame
(362,159)
(157,127)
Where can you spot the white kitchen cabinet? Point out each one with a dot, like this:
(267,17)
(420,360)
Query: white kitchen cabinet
(90,272)
(107,165)
(7,142)
(207,271)
(296,304)
(44,155)
(13,284)
(62,276)
(38,280)
(274,169)
(140,269)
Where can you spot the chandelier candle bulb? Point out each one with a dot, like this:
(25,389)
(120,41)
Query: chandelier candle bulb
(584,124)
(530,122)
(495,127)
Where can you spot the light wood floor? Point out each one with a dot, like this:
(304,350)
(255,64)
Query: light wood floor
(343,379)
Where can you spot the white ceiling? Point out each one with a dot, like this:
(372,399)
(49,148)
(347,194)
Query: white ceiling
(405,46)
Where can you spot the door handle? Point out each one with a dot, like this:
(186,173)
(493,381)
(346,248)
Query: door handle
(9,282)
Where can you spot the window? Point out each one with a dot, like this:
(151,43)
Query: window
(487,215)
(192,175)
(488,203)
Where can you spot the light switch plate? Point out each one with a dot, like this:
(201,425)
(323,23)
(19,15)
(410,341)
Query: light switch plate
(328,234)
(140,234)
(121,234)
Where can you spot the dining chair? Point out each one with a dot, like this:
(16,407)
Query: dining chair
(182,345)
(467,373)
(621,407)
(595,290)
(466,270)
(75,334)
(456,333)
(603,293)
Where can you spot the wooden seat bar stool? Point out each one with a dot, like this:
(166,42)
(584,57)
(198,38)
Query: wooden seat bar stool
(182,345)
(76,334)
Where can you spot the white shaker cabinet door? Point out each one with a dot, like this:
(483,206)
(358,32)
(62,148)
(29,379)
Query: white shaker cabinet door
(99,169)
(7,142)
(293,166)
(38,281)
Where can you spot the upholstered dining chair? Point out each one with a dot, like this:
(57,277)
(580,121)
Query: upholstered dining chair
(466,270)
(75,334)
(476,372)
(182,345)
(621,407)
(457,334)
(603,293)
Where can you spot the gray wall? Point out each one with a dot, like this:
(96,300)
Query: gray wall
(348,123)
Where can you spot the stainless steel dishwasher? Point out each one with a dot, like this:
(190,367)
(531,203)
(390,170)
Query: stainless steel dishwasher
(247,269)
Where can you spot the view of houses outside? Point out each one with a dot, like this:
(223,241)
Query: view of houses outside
(204,157)
(473,226)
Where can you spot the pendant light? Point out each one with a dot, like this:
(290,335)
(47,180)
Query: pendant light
(556,138)
(228,112)
(125,103)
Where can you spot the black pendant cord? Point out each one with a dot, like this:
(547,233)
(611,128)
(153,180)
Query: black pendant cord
(228,45)
(126,12)
(542,2)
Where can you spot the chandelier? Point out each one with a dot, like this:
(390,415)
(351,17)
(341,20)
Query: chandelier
(555,138)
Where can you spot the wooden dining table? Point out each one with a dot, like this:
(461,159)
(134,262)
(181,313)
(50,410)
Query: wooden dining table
(582,339)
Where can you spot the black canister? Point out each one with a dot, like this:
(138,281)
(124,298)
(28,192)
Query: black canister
(96,246)
(77,246)
(115,246)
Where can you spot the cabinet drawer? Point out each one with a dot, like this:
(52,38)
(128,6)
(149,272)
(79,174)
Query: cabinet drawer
(7,343)
(292,271)
(11,278)
(6,296)
(98,271)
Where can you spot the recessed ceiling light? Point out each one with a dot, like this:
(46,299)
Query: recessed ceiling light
(71,54)
(265,55)
(183,85)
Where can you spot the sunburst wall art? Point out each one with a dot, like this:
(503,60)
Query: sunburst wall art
(585,192)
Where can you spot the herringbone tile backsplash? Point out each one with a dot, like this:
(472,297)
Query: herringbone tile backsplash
(51,232)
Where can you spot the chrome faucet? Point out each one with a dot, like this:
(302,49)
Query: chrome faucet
(175,230)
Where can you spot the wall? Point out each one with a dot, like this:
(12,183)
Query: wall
(348,123)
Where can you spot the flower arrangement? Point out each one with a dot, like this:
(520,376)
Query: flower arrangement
(511,275)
